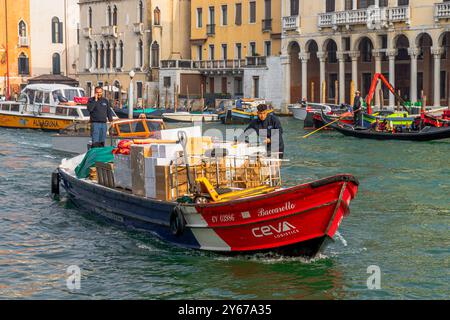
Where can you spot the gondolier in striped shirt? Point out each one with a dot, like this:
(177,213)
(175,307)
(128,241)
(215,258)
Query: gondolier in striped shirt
(267,127)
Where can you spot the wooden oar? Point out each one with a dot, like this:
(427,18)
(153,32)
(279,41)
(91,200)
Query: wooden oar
(328,124)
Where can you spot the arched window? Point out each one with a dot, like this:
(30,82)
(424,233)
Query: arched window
(102,56)
(109,16)
(23,64)
(121,54)
(96,55)
(89,56)
(22,29)
(57,26)
(157,17)
(155,54)
(114,21)
(140,57)
(56,63)
(141,12)
(108,55)
(114,55)
(90,17)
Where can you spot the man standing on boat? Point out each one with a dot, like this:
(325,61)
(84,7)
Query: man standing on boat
(100,113)
(267,126)
(357,109)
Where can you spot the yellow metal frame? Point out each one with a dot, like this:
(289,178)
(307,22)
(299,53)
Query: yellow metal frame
(207,187)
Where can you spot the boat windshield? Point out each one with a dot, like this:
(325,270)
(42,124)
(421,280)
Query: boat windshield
(70,94)
(85,112)
(154,126)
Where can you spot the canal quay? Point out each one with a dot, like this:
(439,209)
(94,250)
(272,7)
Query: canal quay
(399,222)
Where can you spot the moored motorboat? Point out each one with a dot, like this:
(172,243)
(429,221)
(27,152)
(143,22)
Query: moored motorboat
(190,117)
(298,220)
(44,106)
(77,137)
(243,112)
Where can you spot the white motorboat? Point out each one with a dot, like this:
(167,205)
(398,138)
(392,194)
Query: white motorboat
(190,117)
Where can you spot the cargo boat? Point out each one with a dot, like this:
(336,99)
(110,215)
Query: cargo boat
(295,221)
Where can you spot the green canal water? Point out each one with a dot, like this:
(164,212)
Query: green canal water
(400,222)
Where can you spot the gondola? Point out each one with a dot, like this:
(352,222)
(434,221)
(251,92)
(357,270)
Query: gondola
(425,134)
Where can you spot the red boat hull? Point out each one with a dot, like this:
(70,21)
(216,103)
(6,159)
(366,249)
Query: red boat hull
(296,221)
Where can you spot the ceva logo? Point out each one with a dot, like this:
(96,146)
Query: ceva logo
(270,230)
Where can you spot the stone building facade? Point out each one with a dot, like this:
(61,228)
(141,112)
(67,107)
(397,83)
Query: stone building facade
(15,44)
(337,45)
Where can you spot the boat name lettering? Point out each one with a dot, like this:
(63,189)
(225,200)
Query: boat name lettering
(287,206)
(278,231)
(223,218)
(45,123)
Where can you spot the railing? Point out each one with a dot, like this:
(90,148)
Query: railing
(229,64)
(266,25)
(364,16)
(256,61)
(87,32)
(291,23)
(109,31)
(138,28)
(441,10)
(23,41)
(210,29)
(398,14)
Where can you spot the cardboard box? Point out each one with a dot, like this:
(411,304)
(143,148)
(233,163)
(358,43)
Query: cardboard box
(138,169)
(172,134)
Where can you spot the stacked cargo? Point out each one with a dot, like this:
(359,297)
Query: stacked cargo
(159,170)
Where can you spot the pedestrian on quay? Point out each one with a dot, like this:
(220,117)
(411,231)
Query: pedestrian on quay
(269,124)
(100,113)
(357,109)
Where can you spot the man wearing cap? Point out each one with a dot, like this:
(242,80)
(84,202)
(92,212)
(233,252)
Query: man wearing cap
(269,125)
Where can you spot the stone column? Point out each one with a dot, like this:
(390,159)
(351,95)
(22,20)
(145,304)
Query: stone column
(304,57)
(355,4)
(413,53)
(322,58)
(341,58)
(286,67)
(377,54)
(392,54)
(355,56)
(437,53)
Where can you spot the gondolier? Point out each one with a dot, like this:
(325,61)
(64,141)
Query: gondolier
(357,109)
(266,126)
(100,113)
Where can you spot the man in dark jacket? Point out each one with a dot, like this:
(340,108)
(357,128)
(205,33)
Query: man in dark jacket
(267,126)
(100,112)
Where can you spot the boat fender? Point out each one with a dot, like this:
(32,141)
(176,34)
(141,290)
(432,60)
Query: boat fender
(177,222)
(55,183)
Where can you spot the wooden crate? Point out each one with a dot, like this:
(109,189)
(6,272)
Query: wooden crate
(105,174)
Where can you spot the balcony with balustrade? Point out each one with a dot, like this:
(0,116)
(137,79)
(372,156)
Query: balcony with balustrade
(109,31)
(87,33)
(138,28)
(211,67)
(291,23)
(23,41)
(441,11)
(385,17)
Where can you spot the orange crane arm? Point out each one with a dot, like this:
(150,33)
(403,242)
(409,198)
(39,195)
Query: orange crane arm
(379,76)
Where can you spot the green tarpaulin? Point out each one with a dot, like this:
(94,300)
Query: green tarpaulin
(92,156)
